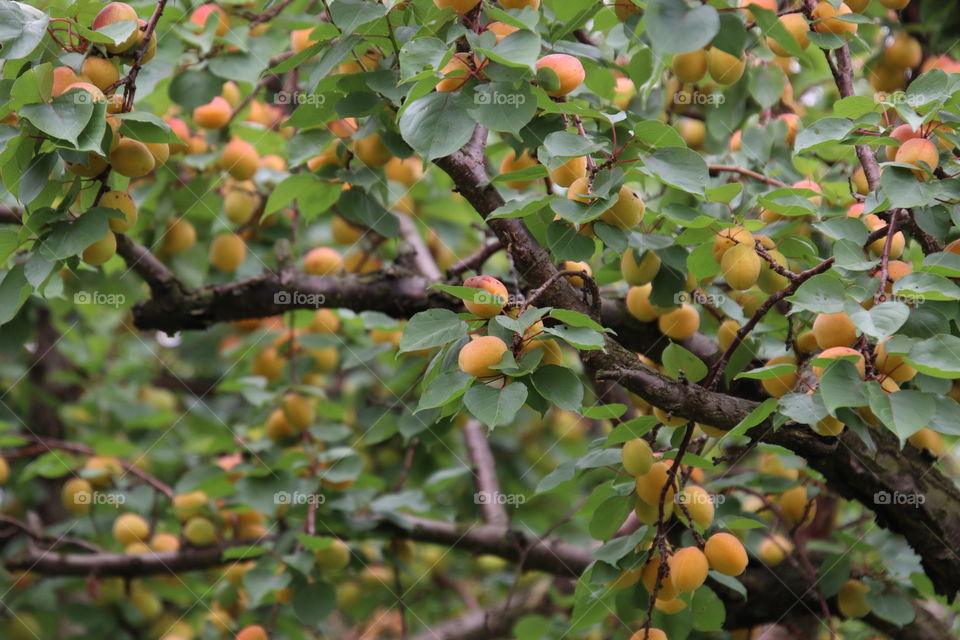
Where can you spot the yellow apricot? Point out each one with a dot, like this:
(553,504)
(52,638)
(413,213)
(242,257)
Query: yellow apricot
(456,72)
(371,151)
(919,150)
(637,456)
(573,169)
(638,303)
(406,171)
(112,13)
(724,67)
(200,532)
(648,575)
(577,281)
(782,384)
(828,22)
(690,67)
(669,607)
(298,410)
(699,503)
(667,419)
(325,321)
(627,211)
(893,366)
(277,427)
(512,163)
(100,72)
(834,330)
(729,238)
(650,485)
(740,267)
(132,158)
(726,554)
(520,4)
(639,273)
(239,158)
(769,280)
(490,305)
(201,15)
(726,333)
(188,505)
(501,30)
(77,495)
(122,202)
(852,599)
(479,355)
(839,352)
(798,28)
(101,250)
(240,204)
(334,557)
(361,262)
(459,6)
(180,236)
(322,261)
(227,252)
(652,633)
(929,440)
(300,39)
(129,528)
(796,507)
(213,115)
(569,73)
(688,569)
(680,323)
(63,77)
(774,549)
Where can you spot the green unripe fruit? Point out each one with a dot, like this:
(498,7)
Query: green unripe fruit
(200,532)
(101,250)
(769,280)
(637,456)
(333,558)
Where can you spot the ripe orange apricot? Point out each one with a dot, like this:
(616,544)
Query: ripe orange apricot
(520,4)
(213,115)
(117,12)
(480,354)
(322,261)
(688,569)
(796,507)
(690,67)
(371,151)
(648,575)
(905,51)
(699,503)
(180,236)
(63,77)
(638,303)
(568,71)
(769,5)
(101,250)
(797,26)
(512,163)
(637,456)
(300,39)
(726,554)
(455,73)
(570,171)
(852,599)
(131,158)
(406,171)
(769,280)
(834,330)
(840,352)
(239,158)
(783,384)
(897,243)
(202,13)
(100,72)
(652,633)
(917,150)
(577,281)
(627,211)
(227,252)
(650,485)
(459,6)
(893,366)
(726,333)
(241,203)
(181,130)
(929,440)
(680,323)
(774,549)
(729,238)
(740,266)
(95,94)
(828,22)
(724,67)
(491,304)
(122,202)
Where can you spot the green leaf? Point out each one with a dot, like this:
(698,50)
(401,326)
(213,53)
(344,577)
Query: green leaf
(882,321)
(832,573)
(891,607)
(771,26)
(500,106)
(432,328)
(359,207)
(673,27)
(559,385)
(604,411)
(842,386)
(190,89)
(580,337)
(608,517)
(495,407)
(765,373)
(677,360)
(65,117)
(755,417)
(822,293)
(70,237)
(437,124)
(350,14)
(577,319)
(707,610)
(146,127)
(23,28)
(766,83)
(925,286)
(520,49)
(563,144)
(904,189)
(443,389)
(14,291)
(821,132)
(904,412)
(942,263)
(681,168)
(938,357)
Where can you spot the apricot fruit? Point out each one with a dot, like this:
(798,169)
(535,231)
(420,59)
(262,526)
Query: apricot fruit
(200,532)
(774,549)
(740,266)
(826,20)
(680,323)
(456,72)
(919,150)
(852,599)
(650,485)
(96,95)
(570,171)
(227,252)
(796,507)
(63,77)
(567,73)
(905,51)
(164,543)
(729,238)
(834,330)
(639,273)
(201,16)
(511,163)
(322,261)
(180,236)
(240,204)
(100,72)
(769,280)
(840,352)
(637,456)
(334,557)
(300,39)
(667,419)
(122,202)
(520,4)
(648,575)
(131,158)
(253,632)
(488,305)
(769,5)
(893,366)
(371,151)
(325,321)
(652,633)
(239,158)
(782,384)
(129,528)
(897,242)
(361,262)
(929,440)
(638,303)
(277,427)
(690,67)
(117,12)
(726,554)
(577,281)
(798,28)
(724,68)
(298,410)
(188,505)
(698,503)
(213,115)
(77,496)
(406,171)
(627,211)
(479,355)
(688,569)
(101,250)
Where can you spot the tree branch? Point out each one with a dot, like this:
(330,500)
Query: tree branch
(485,471)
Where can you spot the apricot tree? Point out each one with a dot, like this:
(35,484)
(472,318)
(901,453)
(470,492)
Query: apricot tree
(479,318)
